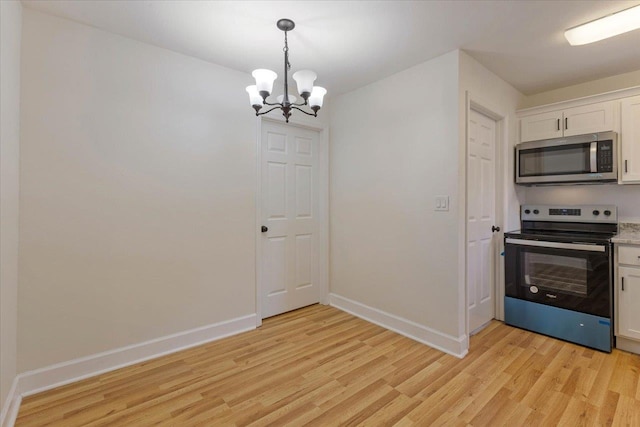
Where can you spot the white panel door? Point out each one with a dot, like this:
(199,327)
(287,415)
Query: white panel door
(481,201)
(289,209)
(630,139)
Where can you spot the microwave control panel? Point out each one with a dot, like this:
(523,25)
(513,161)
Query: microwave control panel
(605,156)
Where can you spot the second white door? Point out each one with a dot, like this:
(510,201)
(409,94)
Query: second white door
(289,189)
(481,217)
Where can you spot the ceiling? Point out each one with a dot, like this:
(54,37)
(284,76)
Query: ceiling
(354,43)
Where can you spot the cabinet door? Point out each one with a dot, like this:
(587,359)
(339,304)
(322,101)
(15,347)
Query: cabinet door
(629,302)
(630,140)
(588,118)
(541,126)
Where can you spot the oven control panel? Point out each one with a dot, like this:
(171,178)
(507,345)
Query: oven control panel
(582,213)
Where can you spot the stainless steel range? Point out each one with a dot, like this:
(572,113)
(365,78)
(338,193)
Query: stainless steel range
(559,273)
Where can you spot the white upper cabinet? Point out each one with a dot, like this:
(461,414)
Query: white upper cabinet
(541,126)
(590,118)
(630,140)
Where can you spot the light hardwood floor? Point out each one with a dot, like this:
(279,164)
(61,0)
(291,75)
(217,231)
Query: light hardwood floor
(324,367)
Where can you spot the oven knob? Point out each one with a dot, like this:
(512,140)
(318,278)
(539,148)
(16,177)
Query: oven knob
(596,212)
(607,213)
(536,211)
(527,211)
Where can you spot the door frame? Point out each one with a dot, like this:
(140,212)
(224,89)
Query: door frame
(323,206)
(473,102)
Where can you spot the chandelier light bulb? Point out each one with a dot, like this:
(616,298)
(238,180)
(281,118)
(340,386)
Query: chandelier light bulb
(254,97)
(264,81)
(304,79)
(316,98)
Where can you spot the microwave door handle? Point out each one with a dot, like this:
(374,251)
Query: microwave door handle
(594,157)
(557,245)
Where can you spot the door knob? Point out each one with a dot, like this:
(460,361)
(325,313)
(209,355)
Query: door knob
(264,229)
(494,228)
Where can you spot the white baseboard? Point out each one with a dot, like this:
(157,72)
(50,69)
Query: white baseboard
(457,347)
(625,344)
(57,375)
(11,406)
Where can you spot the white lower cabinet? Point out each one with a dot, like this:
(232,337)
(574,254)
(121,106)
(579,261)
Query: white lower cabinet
(628,298)
(629,306)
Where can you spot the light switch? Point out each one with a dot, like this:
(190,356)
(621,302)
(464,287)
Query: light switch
(442,203)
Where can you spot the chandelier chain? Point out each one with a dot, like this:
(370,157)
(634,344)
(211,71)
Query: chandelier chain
(285,49)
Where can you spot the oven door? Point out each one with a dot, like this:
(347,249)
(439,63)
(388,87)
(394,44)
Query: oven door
(574,276)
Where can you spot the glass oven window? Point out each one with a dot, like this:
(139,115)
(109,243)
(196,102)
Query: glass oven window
(562,274)
(560,160)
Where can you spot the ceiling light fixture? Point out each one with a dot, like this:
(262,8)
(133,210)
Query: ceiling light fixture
(605,27)
(312,95)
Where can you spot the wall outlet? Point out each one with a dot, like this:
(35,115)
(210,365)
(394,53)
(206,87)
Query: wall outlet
(442,203)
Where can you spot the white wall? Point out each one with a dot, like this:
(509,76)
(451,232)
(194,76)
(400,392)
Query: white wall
(10,36)
(394,148)
(481,85)
(137,193)
(595,87)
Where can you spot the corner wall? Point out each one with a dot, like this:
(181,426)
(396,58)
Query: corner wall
(137,194)
(497,95)
(394,148)
(10,39)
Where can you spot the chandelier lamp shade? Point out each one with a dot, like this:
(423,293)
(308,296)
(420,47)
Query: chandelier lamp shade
(312,96)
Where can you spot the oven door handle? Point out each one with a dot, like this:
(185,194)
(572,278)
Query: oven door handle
(558,245)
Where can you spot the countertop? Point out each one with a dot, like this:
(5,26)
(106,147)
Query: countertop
(628,233)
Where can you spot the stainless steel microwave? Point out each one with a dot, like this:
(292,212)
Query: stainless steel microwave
(581,159)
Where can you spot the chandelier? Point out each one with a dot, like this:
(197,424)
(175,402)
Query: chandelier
(312,95)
